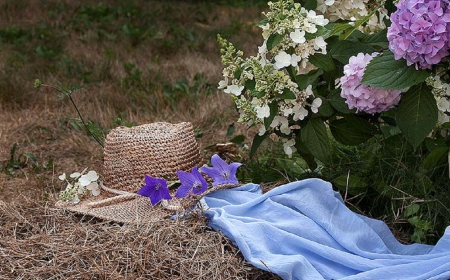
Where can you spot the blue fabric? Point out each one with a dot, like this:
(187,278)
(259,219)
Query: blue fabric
(303,230)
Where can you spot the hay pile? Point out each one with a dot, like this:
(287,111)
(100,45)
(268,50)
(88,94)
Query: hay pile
(38,241)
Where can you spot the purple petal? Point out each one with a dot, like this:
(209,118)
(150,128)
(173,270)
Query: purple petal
(211,172)
(183,191)
(186,178)
(146,190)
(233,168)
(200,185)
(219,164)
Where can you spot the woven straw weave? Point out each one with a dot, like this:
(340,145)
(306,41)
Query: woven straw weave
(157,149)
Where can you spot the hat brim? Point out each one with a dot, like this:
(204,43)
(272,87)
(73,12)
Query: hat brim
(137,210)
(134,210)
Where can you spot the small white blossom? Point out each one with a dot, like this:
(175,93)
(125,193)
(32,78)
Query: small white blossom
(316,104)
(443,104)
(262,111)
(234,89)
(223,84)
(62,177)
(94,188)
(282,59)
(288,147)
(298,36)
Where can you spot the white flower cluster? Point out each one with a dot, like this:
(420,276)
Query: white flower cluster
(353,10)
(261,84)
(79,185)
(441,92)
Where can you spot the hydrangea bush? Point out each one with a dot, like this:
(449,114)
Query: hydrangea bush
(344,69)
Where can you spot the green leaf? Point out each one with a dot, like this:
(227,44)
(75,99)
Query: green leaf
(339,28)
(309,4)
(377,40)
(338,102)
(258,94)
(250,84)
(417,114)
(230,131)
(273,112)
(239,139)
(353,184)
(273,41)
(305,154)
(343,50)
(322,61)
(356,25)
(411,210)
(238,73)
(287,94)
(350,133)
(383,71)
(326,110)
(303,81)
(257,140)
(436,157)
(315,137)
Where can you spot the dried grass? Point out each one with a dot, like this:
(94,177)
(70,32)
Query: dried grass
(38,241)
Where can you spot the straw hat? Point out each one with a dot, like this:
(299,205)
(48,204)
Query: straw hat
(157,149)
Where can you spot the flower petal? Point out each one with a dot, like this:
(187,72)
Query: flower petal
(92,175)
(219,164)
(92,186)
(75,175)
(183,191)
(62,177)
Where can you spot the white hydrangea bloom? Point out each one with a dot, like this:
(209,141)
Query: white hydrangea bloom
(298,36)
(282,59)
(289,147)
(316,104)
(223,84)
(443,104)
(94,188)
(262,111)
(62,177)
(234,89)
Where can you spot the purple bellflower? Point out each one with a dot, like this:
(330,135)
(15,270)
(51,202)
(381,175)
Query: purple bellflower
(192,181)
(221,172)
(156,189)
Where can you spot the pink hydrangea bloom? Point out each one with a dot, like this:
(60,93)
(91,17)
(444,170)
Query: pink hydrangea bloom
(363,97)
(420,32)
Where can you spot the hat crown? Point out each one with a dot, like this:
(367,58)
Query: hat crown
(157,149)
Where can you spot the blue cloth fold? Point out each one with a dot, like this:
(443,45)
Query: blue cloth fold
(303,230)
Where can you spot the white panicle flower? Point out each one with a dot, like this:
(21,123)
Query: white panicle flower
(223,84)
(62,177)
(298,36)
(443,104)
(234,89)
(90,177)
(315,105)
(295,59)
(299,112)
(266,31)
(94,188)
(262,111)
(443,118)
(282,59)
(288,147)
(262,130)
(319,43)
(75,175)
